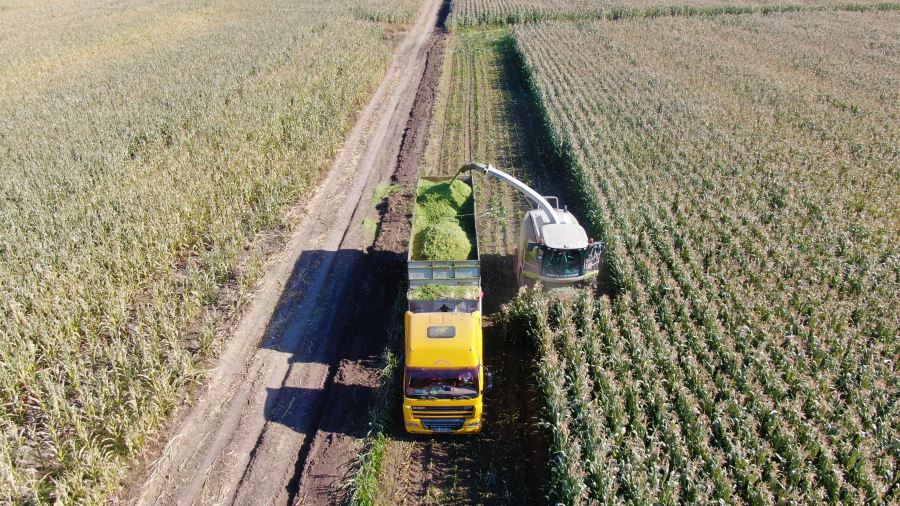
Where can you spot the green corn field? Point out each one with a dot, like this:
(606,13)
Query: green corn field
(474,13)
(743,178)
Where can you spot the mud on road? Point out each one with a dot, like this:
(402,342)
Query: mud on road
(285,408)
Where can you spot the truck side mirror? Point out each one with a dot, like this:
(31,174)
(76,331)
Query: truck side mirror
(489,380)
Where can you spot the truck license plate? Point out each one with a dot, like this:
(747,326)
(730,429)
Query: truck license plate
(442,429)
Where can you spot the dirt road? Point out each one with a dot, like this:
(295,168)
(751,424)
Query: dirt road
(345,417)
(267,428)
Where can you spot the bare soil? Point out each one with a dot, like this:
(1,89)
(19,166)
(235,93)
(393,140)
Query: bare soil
(285,407)
(339,438)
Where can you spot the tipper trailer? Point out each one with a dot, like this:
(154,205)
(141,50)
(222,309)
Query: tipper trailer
(444,378)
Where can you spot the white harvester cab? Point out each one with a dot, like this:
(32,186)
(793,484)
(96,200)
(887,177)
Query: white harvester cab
(556,254)
(553,247)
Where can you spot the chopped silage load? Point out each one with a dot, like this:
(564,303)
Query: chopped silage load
(439,200)
(438,292)
(444,228)
(445,240)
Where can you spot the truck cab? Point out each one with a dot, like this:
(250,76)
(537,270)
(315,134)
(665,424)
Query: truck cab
(444,375)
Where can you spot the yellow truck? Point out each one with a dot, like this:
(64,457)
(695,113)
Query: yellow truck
(444,377)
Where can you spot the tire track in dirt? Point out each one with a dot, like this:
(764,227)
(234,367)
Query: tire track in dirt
(242,437)
(339,438)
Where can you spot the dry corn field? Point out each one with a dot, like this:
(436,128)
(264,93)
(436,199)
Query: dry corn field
(743,177)
(493,12)
(142,147)
(741,171)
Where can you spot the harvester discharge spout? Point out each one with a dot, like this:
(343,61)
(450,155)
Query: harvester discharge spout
(529,193)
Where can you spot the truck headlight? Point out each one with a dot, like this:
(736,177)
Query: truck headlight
(412,424)
(473,424)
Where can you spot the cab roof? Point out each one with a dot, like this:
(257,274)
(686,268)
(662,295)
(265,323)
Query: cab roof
(461,350)
(566,234)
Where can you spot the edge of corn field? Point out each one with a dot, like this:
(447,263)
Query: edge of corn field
(488,20)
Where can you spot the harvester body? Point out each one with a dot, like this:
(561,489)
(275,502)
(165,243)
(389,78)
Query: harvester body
(553,249)
(554,254)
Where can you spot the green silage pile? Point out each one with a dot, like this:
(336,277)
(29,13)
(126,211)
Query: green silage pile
(445,240)
(444,228)
(438,292)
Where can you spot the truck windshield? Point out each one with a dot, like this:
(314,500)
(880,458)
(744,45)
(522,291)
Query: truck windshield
(441,383)
(561,263)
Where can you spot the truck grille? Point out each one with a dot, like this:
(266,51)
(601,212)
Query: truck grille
(442,411)
(442,424)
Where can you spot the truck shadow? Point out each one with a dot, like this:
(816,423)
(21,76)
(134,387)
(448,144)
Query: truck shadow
(329,312)
(296,408)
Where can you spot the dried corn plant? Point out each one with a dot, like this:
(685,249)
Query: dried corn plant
(143,146)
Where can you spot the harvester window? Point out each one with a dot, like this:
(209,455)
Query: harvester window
(558,263)
(442,331)
(592,258)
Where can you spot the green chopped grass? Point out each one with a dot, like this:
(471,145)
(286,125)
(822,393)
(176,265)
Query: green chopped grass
(444,228)
(437,292)
(445,240)
(438,200)
(382,191)
(371,227)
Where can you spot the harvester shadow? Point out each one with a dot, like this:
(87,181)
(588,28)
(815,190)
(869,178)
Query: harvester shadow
(498,281)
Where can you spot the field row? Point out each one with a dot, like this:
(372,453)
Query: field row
(498,12)
(145,147)
(743,179)
(482,112)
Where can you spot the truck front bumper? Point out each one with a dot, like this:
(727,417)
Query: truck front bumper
(443,426)
(443,417)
